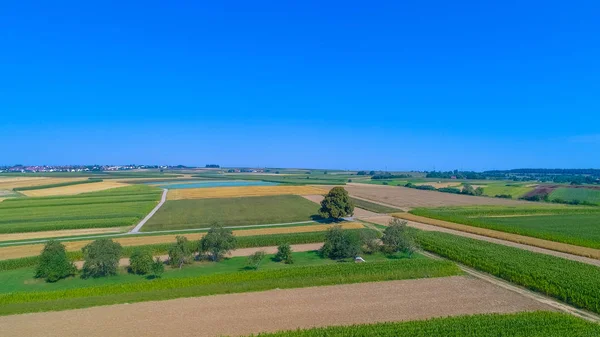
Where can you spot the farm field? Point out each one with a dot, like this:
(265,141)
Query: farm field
(73,189)
(512,189)
(114,208)
(10,183)
(314,178)
(243,211)
(206,183)
(373,207)
(578,226)
(404,300)
(244,191)
(568,281)
(534,324)
(407,198)
(591,196)
(281,277)
(270,236)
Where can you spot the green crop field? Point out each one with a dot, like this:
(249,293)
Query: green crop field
(373,207)
(217,278)
(121,207)
(572,282)
(573,225)
(526,324)
(515,190)
(582,195)
(200,213)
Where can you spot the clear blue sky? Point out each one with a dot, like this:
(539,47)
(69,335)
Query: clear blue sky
(330,84)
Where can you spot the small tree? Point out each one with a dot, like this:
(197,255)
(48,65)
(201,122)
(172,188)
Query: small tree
(255,259)
(479,191)
(180,253)
(337,204)
(217,242)
(397,238)
(369,241)
(340,244)
(284,253)
(101,258)
(468,189)
(53,263)
(140,261)
(158,268)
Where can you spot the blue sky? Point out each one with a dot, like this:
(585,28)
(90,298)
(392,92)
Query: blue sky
(336,84)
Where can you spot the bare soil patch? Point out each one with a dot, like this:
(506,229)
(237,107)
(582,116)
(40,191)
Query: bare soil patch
(406,198)
(246,313)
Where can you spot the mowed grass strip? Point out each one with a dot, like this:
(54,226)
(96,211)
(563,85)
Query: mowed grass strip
(525,324)
(241,191)
(202,213)
(579,226)
(220,283)
(572,282)
(21,251)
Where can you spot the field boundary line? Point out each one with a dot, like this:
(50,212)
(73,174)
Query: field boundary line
(567,251)
(589,316)
(163,198)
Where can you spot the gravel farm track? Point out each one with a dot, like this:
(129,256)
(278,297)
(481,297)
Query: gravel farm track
(278,310)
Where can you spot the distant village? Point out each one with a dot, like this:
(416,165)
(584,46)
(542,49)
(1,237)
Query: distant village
(74,168)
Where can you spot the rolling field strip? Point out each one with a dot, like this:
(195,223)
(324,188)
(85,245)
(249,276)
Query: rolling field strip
(547,246)
(74,189)
(243,191)
(163,198)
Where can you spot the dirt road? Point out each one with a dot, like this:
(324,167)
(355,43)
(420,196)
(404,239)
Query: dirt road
(241,314)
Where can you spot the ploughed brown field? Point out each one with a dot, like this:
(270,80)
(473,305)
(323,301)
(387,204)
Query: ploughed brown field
(246,313)
(408,198)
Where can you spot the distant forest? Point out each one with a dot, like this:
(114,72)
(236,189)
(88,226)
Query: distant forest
(559,176)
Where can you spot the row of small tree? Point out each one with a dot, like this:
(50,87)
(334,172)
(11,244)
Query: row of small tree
(342,244)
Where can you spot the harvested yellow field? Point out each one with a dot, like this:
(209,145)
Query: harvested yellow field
(241,191)
(13,252)
(74,189)
(60,233)
(440,185)
(526,240)
(10,183)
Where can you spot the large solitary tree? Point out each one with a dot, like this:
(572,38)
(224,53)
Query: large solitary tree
(101,258)
(337,204)
(54,264)
(217,242)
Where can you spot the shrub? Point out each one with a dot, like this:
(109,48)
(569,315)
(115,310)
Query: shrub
(53,263)
(369,241)
(217,242)
(504,196)
(101,258)
(158,268)
(255,259)
(397,238)
(284,254)
(337,204)
(180,253)
(340,244)
(140,261)
(479,191)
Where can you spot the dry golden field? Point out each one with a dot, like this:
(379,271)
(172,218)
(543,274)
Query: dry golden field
(74,189)
(241,191)
(440,185)
(13,252)
(8,183)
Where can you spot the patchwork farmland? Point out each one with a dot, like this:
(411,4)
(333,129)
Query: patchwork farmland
(262,217)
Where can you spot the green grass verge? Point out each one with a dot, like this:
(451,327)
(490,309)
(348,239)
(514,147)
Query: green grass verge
(578,226)
(373,207)
(525,324)
(222,283)
(121,207)
(576,194)
(568,281)
(69,183)
(162,248)
(199,213)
